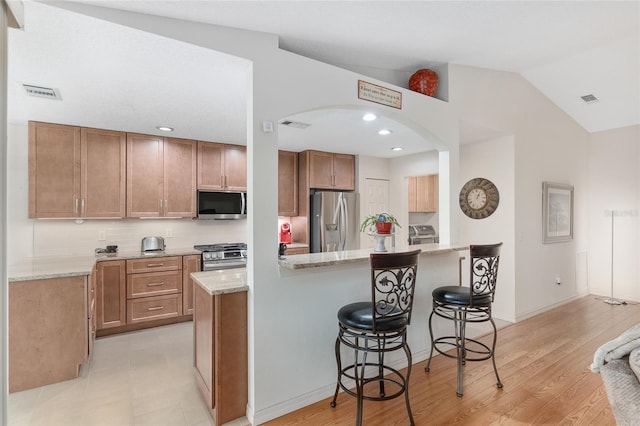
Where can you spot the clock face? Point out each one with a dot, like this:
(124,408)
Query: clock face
(479,198)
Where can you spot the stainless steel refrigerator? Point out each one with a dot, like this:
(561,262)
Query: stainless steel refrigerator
(334,221)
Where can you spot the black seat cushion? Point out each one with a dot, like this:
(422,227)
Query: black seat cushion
(359,315)
(458,295)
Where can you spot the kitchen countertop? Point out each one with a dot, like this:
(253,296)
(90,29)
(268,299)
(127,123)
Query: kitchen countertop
(222,281)
(314,260)
(38,268)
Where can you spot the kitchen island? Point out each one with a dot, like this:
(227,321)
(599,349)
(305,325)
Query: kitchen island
(220,341)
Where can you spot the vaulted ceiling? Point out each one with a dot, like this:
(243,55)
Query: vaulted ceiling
(111,76)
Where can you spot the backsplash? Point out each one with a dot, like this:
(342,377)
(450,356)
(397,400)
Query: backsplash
(66,237)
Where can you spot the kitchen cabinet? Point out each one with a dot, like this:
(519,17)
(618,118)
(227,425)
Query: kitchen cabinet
(190,264)
(154,288)
(222,167)
(110,294)
(48,331)
(296,250)
(287,183)
(423,194)
(92,319)
(220,352)
(330,170)
(161,176)
(75,172)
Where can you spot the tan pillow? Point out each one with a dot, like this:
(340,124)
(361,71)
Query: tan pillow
(634,361)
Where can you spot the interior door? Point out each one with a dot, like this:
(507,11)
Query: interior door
(375,199)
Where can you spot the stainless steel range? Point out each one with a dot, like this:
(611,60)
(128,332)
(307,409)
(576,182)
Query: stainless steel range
(223,256)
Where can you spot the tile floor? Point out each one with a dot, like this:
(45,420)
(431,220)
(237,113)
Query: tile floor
(140,378)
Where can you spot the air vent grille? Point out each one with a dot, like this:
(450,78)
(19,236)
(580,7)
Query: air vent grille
(41,92)
(296,124)
(589,98)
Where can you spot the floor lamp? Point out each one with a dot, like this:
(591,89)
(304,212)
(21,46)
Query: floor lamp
(610,300)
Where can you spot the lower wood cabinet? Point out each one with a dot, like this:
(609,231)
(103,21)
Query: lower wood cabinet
(220,352)
(190,264)
(48,330)
(111,285)
(143,290)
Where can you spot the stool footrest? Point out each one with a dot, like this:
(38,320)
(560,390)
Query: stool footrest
(390,376)
(478,350)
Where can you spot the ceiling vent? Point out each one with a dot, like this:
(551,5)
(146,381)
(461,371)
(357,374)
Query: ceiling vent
(41,92)
(590,99)
(296,124)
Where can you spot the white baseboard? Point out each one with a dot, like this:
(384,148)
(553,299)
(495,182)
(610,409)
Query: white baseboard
(526,315)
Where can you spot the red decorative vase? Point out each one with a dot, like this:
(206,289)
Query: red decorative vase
(383,227)
(424,81)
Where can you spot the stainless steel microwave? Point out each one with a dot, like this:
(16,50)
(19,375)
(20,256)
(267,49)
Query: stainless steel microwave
(222,205)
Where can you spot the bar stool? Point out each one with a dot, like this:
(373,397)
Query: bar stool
(463,305)
(378,326)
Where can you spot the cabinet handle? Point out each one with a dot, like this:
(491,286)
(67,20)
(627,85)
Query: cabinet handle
(75,207)
(155,284)
(82,207)
(166,207)
(155,308)
(151,265)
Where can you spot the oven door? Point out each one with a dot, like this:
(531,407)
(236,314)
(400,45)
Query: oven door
(213,265)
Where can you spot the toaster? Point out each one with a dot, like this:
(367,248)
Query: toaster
(152,244)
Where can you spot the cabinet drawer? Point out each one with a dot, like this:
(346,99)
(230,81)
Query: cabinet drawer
(153,284)
(173,263)
(153,308)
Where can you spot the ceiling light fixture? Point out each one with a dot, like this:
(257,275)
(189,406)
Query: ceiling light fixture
(384,132)
(369,116)
(165,128)
(397,148)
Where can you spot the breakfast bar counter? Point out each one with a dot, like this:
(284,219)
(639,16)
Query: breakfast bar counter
(314,260)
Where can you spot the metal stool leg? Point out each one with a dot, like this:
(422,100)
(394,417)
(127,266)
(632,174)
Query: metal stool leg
(493,353)
(427,368)
(339,362)
(407,351)
(460,349)
(360,385)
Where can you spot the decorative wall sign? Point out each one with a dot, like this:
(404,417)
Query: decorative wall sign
(378,94)
(557,212)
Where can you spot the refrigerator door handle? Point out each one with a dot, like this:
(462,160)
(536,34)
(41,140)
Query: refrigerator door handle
(344,223)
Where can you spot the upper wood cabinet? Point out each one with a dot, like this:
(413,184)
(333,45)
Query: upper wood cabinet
(222,167)
(423,194)
(161,176)
(331,171)
(76,172)
(287,183)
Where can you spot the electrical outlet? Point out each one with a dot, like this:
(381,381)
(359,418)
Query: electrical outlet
(169,233)
(102,235)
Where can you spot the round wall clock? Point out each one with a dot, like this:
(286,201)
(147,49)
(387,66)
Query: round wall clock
(479,198)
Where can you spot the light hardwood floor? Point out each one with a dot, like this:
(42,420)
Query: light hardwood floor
(543,363)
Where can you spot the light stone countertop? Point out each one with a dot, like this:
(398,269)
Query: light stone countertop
(314,260)
(38,268)
(222,281)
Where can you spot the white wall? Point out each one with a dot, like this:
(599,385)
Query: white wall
(548,146)
(614,183)
(494,160)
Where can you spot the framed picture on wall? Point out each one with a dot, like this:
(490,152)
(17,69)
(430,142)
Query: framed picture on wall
(557,212)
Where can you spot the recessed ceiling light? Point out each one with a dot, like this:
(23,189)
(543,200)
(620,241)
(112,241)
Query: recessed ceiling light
(384,132)
(369,117)
(165,128)
(397,148)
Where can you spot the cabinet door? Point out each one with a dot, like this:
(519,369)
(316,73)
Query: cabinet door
(179,178)
(103,172)
(235,167)
(54,171)
(344,172)
(287,183)
(320,170)
(210,166)
(413,182)
(427,193)
(144,175)
(111,287)
(189,264)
